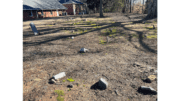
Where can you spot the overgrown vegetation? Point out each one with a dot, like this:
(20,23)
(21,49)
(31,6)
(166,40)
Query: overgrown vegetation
(60,94)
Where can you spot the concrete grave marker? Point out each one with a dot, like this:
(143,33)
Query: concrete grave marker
(33,27)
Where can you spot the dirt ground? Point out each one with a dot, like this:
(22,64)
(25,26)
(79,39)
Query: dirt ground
(130,41)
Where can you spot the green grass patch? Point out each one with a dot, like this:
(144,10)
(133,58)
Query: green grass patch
(102,41)
(83,85)
(64,80)
(60,93)
(71,80)
(93,24)
(151,36)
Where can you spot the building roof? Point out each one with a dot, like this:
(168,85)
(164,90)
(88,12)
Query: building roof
(42,5)
(70,2)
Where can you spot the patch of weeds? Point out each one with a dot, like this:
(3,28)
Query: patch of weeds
(149,27)
(102,41)
(86,31)
(113,22)
(134,35)
(151,36)
(64,80)
(69,89)
(147,23)
(106,53)
(60,93)
(83,85)
(93,24)
(70,80)
(97,27)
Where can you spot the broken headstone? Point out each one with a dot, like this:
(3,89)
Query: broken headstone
(58,76)
(102,83)
(33,27)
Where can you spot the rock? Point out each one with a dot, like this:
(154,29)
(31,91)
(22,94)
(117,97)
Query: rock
(102,83)
(147,90)
(117,92)
(70,86)
(83,50)
(60,75)
(72,37)
(151,78)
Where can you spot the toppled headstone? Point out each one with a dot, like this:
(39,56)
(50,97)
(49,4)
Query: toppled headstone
(60,75)
(102,83)
(147,90)
(33,27)
(83,50)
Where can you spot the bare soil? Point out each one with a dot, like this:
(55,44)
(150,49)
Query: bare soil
(53,52)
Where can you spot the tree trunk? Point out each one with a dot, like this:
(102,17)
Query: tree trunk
(130,6)
(152,9)
(101,13)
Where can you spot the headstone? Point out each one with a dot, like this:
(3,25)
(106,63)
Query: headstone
(107,39)
(83,50)
(60,75)
(33,27)
(103,83)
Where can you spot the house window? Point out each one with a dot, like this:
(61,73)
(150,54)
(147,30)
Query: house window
(42,13)
(51,12)
(30,14)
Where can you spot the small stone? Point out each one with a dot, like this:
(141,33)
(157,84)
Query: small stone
(70,86)
(72,37)
(117,92)
(151,78)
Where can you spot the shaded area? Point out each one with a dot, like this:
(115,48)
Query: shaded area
(146,92)
(96,87)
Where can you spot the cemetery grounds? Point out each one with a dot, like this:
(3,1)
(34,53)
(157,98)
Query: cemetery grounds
(128,57)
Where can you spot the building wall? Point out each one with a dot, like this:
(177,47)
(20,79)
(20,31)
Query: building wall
(47,13)
(69,8)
